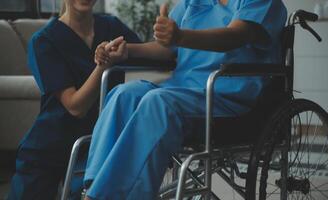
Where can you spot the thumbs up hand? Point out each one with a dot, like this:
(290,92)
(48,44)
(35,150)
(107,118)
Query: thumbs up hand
(164,10)
(166,31)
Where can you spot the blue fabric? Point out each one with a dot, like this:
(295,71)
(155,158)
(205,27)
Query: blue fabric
(58,59)
(35,184)
(143,124)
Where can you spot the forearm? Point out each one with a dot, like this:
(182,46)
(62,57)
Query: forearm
(150,50)
(79,101)
(237,34)
(220,40)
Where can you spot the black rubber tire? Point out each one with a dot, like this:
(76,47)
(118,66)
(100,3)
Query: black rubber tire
(271,136)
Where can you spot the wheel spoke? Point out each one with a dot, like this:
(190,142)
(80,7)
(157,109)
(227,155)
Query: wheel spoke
(311,197)
(273,192)
(321,155)
(302,124)
(319,191)
(319,186)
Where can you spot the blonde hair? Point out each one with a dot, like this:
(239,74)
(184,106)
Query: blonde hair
(63,8)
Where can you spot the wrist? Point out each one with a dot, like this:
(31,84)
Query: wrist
(179,37)
(132,50)
(102,68)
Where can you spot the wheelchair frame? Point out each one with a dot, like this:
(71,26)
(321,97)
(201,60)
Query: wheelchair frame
(209,154)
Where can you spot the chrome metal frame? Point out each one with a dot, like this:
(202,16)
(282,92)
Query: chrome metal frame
(208,155)
(205,155)
(71,164)
(85,139)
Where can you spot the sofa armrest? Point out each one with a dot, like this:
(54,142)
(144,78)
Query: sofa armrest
(18,87)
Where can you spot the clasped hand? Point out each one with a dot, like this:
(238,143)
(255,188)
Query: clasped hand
(109,53)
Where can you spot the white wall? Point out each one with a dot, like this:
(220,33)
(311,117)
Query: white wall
(311,58)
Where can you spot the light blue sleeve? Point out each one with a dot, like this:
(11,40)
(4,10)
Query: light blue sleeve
(178,12)
(270,14)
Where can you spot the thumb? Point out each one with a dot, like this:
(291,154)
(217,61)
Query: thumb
(114,43)
(164,10)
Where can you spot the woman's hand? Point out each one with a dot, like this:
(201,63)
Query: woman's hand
(166,31)
(101,56)
(117,50)
(109,53)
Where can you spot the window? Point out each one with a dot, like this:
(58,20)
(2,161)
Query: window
(51,6)
(13,5)
(15,9)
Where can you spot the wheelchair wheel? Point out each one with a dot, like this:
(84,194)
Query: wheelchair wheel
(290,160)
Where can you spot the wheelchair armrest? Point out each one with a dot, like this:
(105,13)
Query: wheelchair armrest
(252,69)
(135,64)
(142,64)
(234,69)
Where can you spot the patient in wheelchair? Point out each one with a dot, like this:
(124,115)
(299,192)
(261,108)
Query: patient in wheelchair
(143,124)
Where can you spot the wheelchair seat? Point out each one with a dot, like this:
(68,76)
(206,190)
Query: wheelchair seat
(241,130)
(228,130)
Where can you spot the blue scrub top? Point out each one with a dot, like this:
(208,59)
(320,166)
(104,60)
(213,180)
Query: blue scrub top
(194,66)
(58,59)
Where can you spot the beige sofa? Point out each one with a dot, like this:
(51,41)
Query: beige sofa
(19,94)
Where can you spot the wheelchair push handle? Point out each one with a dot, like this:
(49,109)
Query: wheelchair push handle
(304,16)
(308,16)
(313,32)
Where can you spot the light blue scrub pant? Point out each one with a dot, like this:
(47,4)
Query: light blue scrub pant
(140,128)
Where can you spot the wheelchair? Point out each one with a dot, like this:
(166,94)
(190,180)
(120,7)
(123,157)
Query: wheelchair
(278,150)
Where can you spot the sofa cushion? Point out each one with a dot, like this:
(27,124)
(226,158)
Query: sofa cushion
(26,27)
(12,53)
(18,87)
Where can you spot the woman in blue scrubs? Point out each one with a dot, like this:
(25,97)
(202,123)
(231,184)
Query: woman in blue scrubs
(143,123)
(61,58)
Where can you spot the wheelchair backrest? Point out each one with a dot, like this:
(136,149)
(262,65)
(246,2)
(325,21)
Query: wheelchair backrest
(281,88)
(277,92)
(299,17)
(287,39)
